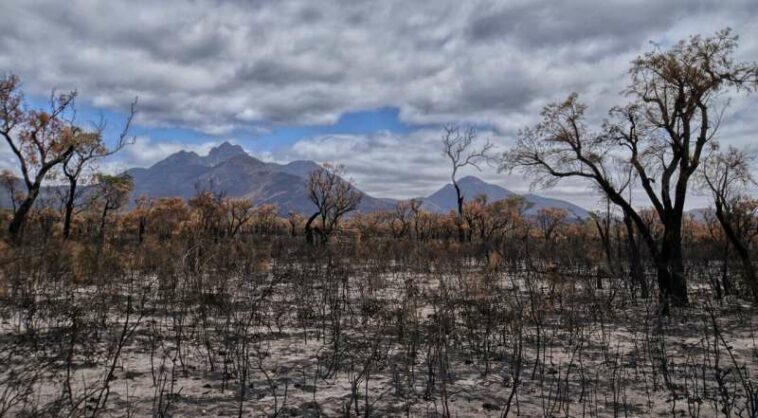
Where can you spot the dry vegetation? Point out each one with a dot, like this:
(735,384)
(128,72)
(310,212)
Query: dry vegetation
(191,322)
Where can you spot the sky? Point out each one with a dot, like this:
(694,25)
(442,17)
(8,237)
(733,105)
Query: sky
(366,84)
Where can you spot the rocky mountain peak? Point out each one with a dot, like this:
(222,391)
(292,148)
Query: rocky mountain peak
(222,153)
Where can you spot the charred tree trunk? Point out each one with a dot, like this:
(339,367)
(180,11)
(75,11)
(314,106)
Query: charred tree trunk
(22,212)
(748,270)
(141,230)
(19,217)
(309,228)
(69,211)
(459,200)
(103,217)
(605,239)
(635,261)
(670,267)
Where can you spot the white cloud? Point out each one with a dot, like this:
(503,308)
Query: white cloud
(411,165)
(215,65)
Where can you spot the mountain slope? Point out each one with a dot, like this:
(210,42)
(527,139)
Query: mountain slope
(444,200)
(230,170)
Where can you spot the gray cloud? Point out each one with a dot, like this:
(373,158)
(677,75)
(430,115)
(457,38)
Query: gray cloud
(214,65)
(204,63)
(395,165)
(540,24)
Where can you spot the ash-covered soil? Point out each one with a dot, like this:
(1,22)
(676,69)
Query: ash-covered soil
(332,340)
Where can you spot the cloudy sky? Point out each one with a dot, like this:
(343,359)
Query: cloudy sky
(363,83)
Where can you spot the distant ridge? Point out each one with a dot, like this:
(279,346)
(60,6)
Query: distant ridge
(444,200)
(229,169)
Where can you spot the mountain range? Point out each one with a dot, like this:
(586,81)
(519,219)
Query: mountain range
(228,168)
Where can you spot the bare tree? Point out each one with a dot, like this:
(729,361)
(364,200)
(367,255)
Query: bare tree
(39,139)
(602,222)
(550,221)
(112,193)
(726,174)
(662,132)
(333,197)
(458,146)
(400,218)
(90,147)
(239,212)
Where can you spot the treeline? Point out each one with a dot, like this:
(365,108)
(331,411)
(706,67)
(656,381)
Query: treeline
(498,234)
